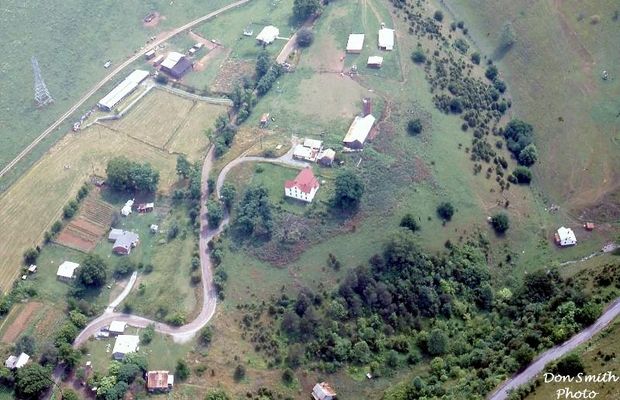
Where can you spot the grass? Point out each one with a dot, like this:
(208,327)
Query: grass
(56,177)
(71,58)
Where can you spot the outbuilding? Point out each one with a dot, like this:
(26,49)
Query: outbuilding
(126,210)
(326,157)
(375,62)
(355,44)
(358,132)
(66,271)
(16,362)
(386,38)
(322,391)
(125,242)
(565,237)
(124,88)
(124,345)
(176,65)
(117,327)
(268,35)
(146,207)
(159,381)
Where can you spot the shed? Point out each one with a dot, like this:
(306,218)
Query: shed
(117,327)
(313,144)
(386,39)
(322,391)
(66,271)
(191,51)
(375,62)
(198,46)
(268,34)
(355,44)
(158,60)
(32,269)
(126,210)
(264,120)
(149,54)
(326,157)
(565,237)
(159,381)
(124,345)
(146,207)
(128,85)
(154,228)
(16,362)
(358,131)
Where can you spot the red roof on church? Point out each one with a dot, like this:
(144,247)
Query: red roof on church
(305,181)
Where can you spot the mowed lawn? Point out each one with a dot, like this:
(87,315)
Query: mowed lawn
(72,40)
(33,203)
(562,94)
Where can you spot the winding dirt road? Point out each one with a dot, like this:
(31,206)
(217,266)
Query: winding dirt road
(556,352)
(111,75)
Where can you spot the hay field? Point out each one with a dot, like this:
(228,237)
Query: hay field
(554,75)
(33,203)
(190,137)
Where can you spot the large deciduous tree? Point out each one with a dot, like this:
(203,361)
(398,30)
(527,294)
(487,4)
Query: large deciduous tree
(349,189)
(93,271)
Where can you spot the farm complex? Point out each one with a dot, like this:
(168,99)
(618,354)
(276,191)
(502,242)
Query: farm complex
(298,199)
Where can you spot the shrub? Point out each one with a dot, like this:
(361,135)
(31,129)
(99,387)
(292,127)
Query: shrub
(438,15)
(475,58)
(206,336)
(30,256)
(239,373)
(528,155)
(418,56)
(456,106)
(409,222)
(147,334)
(445,210)
(162,79)
(500,222)
(523,175)
(569,365)
(182,370)
(414,126)
(305,37)
(491,72)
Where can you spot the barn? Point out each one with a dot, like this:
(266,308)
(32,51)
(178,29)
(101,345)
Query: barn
(176,65)
(358,132)
(121,91)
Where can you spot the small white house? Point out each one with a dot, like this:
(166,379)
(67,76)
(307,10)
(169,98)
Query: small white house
(125,344)
(126,210)
(375,62)
(565,237)
(386,39)
(322,391)
(16,362)
(117,327)
(268,34)
(66,271)
(303,187)
(355,44)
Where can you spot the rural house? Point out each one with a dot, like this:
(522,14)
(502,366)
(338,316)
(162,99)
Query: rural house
(326,157)
(309,150)
(303,187)
(126,210)
(117,327)
(268,35)
(66,271)
(358,132)
(159,381)
(127,86)
(565,237)
(386,38)
(374,62)
(125,242)
(355,44)
(176,65)
(16,362)
(125,344)
(322,391)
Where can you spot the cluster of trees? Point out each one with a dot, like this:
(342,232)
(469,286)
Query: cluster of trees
(121,375)
(126,175)
(348,191)
(304,9)
(519,140)
(254,215)
(190,194)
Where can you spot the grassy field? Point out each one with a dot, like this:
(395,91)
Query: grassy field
(564,54)
(72,40)
(58,175)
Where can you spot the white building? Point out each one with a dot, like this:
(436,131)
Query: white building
(565,237)
(171,60)
(355,44)
(303,187)
(126,210)
(268,34)
(66,271)
(386,38)
(322,391)
(375,61)
(16,362)
(125,344)
(313,144)
(358,131)
(122,90)
(117,327)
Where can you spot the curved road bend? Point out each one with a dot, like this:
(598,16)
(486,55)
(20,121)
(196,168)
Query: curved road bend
(186,332)
(112,74)
(556,352)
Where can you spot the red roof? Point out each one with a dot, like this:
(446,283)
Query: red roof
(305,181)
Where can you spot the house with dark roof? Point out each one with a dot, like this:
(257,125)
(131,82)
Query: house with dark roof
(303,187)
(123,241)
(176,65)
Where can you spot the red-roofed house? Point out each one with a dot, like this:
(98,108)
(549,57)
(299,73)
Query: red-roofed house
(303,187)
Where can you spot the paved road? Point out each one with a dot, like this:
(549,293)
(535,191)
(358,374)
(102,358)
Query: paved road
(556,352)
(112,74)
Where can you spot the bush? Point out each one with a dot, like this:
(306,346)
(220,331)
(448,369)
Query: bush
(569,365)
(124,268)
(414,126)
(239,373)
(523,175)
(206,336)
(528,155)
(418,56)
(215,213)
(182,371)
(147,334)
(475,58)
(445,210)
(30,256)
(305,37)
(491,72)
(500,222)
(162,79)
(288,376)
(438,15)
(409,222)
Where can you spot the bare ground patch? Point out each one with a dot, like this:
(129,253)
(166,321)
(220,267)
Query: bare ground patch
(20,323)
(154,18)
(230,73)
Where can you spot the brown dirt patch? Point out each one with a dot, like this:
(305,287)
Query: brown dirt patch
(201,64)
(201,39)
(20,322)
(87,228)
(157,18)
(230,73)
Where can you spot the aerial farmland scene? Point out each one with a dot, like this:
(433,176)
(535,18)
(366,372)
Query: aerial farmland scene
(310,199)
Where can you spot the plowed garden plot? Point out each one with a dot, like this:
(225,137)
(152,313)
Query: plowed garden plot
(87,228)
(21,321)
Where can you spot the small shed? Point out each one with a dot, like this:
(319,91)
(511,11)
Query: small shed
(117,327)
(268,34)
(375,62)
(126,210)
(589,226)
(32,269)
(355,44)
(149,54)
(16,362)
(191,51)
(154,228)
(264,120)
(565,237)
(323,391)
(66,271)
(146,207)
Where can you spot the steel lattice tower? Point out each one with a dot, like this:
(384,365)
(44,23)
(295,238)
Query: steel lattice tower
(41,95)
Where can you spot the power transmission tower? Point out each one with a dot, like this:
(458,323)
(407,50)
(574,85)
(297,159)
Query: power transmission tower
(41,95)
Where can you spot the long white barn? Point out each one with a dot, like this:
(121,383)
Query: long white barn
(127,86)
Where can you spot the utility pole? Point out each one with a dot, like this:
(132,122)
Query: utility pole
(41,95)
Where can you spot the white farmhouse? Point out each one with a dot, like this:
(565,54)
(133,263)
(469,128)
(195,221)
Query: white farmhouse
(66,271)
(565,237)
(303,187)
